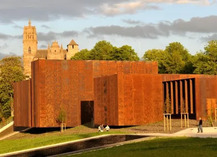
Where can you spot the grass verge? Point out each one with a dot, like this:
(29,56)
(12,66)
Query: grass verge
(11,145)
(163,147)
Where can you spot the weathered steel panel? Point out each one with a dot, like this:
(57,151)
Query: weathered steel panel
(61,85)
(22,104)
(105,109)
(142,100)
(204,87)
(139,99)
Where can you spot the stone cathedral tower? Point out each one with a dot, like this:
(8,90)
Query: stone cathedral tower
(53,52)
(30,44)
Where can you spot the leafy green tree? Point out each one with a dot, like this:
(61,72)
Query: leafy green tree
(61,119)
(174,63)
(206,62)
(175,59)
(82,55)
(157,55)
(179,59)
(124,53)
(11,71)
(104,50)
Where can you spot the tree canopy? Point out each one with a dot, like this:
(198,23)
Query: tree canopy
(175,59)
(206,62)
(104,50)
(11,71)
(156,55)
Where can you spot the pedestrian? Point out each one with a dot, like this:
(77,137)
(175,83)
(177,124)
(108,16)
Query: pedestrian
(107,128)
(200,128)
(100,129)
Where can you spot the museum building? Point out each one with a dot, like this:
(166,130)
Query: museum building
(117,93)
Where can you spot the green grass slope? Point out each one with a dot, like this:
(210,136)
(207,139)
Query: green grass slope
(161,147)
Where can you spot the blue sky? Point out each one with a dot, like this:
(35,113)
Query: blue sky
(142,24)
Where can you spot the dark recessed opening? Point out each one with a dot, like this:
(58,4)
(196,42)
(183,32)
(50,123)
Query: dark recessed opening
(87,111)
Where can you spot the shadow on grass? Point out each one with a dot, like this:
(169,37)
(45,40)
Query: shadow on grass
(37,130)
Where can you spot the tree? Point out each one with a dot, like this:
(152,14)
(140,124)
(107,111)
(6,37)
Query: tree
(82,55)
(179,59)
(61,119)
(157,55)
(124,53)
(104,50)
(206,62)
(174,63)
(175,59)
(11,71)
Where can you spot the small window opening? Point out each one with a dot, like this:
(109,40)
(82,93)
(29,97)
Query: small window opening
(29,50)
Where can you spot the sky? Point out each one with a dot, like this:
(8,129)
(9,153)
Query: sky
(142,24)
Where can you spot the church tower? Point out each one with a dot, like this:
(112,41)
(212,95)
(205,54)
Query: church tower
(30,44)
(72,49)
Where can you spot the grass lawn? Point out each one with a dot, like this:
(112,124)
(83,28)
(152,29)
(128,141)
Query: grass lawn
(26,141)
(161,147)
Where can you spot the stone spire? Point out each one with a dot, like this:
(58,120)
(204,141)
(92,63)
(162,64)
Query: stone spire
(29,22)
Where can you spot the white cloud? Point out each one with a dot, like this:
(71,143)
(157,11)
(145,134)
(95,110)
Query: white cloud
(200,2)
(41,10)
(126,7)
(133,6)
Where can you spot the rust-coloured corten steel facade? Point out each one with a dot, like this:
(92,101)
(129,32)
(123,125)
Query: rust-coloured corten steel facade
(108,92)
(196,93)
(65,85)
(22,103)
(128,99)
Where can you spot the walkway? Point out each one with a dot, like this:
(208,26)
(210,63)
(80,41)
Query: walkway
(189,132)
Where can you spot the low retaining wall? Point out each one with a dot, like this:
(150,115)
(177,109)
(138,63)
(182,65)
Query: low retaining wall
(73,146)
(6,130)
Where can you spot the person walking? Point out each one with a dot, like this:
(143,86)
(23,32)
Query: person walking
(200,128)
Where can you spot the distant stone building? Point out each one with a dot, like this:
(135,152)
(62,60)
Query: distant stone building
(53,52)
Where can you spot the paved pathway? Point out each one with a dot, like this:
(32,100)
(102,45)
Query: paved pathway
(189,132)
(192,132)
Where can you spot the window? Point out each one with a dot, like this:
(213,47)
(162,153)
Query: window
(29,50)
